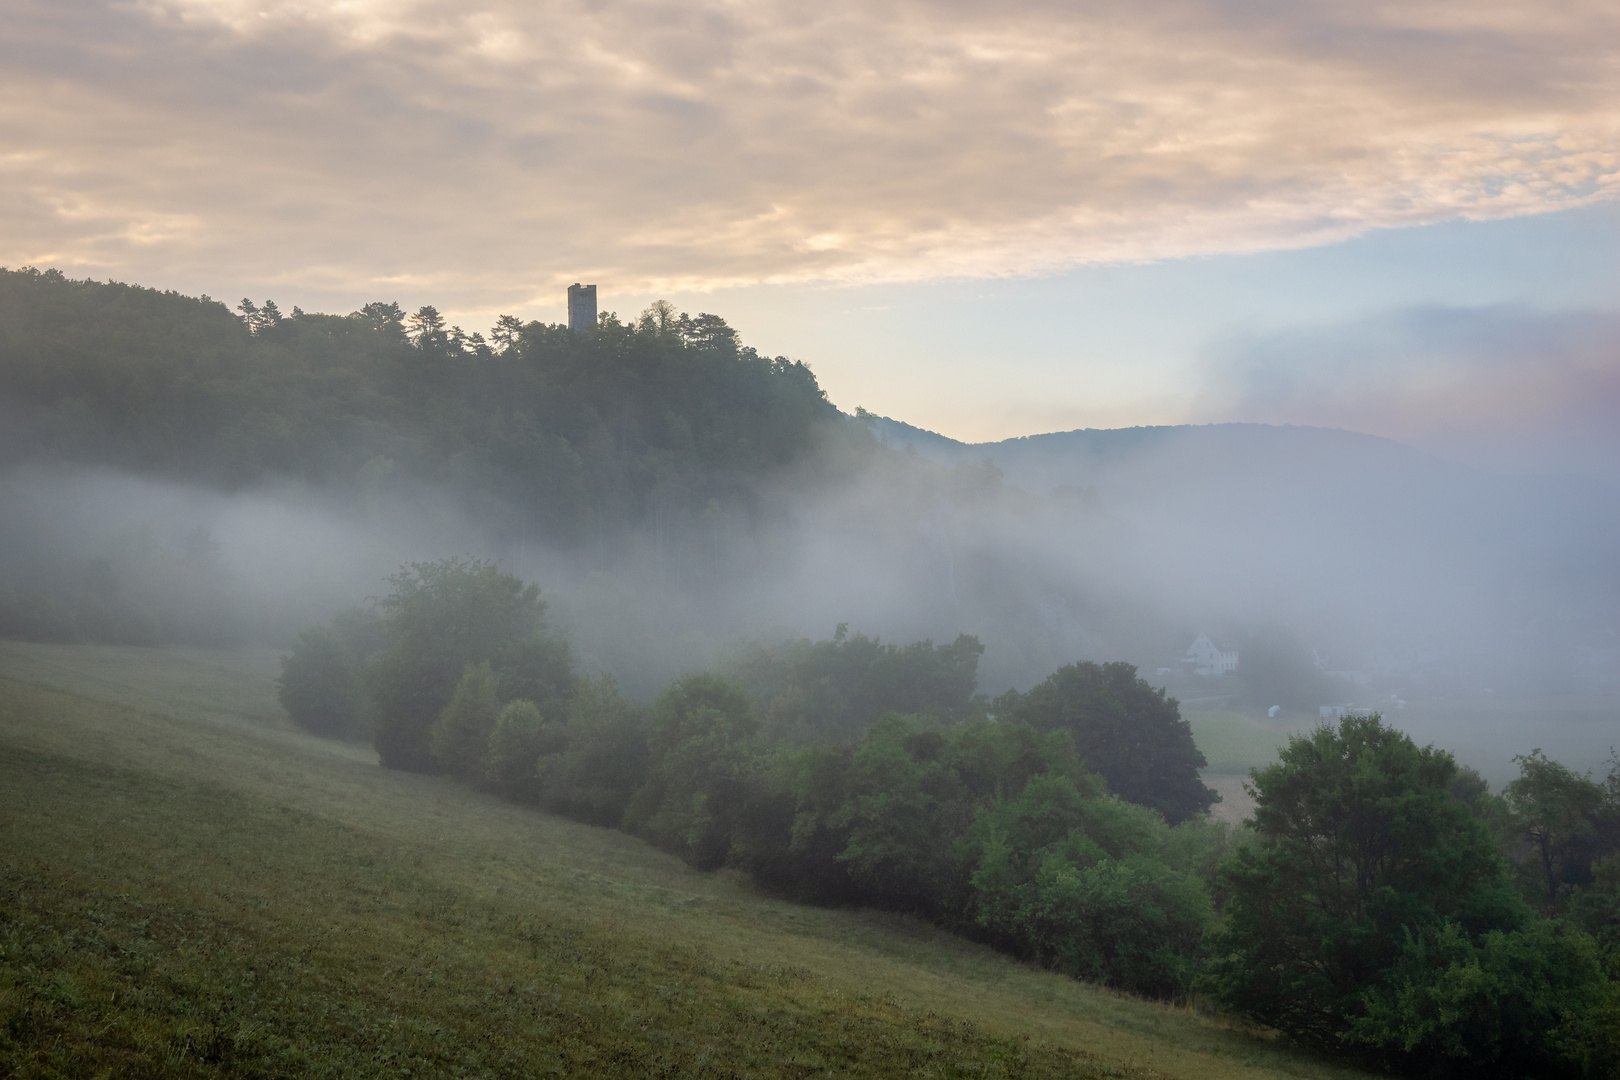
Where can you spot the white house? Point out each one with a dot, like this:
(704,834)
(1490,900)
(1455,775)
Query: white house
(1206,659)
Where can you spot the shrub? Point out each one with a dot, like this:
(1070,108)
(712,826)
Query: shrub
(1509,1003)
(1092,885)
(319,686)
(1134,924)
(903,806)
(440,617)
(591,768)
(515,746)
(461,733)
(702,748)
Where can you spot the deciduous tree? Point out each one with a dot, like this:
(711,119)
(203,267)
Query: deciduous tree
(1126,730)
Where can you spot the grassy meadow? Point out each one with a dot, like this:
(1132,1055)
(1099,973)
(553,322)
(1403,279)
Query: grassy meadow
(1232,742)
(190,887)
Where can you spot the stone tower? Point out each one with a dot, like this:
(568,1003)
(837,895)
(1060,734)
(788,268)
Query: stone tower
(581,307)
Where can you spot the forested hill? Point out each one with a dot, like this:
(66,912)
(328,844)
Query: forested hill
(564,436)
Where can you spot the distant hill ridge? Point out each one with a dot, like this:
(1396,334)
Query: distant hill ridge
(1209,453)
(1321,526)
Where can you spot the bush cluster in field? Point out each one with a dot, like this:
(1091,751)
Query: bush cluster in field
(994,828)
(1372,907)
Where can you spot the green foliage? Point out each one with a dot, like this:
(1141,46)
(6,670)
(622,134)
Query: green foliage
(563,436)
(1562,831)
(440,617)
(1375,912)
(994,829)
(515,745)
(1126,730)
(539,668)
(1134,924)
(903,806)
(362,630)
(591,769)
(1598,1033)
(1506,1003)
(703,748)
(1558,814)
(320,687)
(460,737)
(1475,792)
(1596,906)
(833,690)
(1092,885)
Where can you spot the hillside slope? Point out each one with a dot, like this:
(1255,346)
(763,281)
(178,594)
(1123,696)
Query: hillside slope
(190,888)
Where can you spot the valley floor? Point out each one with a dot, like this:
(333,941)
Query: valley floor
(190,887)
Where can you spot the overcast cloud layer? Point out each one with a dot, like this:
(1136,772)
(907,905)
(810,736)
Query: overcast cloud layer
(486,152)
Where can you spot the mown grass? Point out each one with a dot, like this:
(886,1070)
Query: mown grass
(190,888)
(1231,742)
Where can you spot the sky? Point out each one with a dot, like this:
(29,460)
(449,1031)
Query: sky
(984,219)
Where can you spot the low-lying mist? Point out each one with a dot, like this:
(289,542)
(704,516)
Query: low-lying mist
(1343,569)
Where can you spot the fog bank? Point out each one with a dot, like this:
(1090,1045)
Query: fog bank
(1342,568)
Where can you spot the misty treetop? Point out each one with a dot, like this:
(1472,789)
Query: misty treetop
(565,436)
(808,691)
(1127,730)
(460,634)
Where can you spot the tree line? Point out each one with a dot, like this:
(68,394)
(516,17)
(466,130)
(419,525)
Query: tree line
(1383,902)
(568,437)
(640,435)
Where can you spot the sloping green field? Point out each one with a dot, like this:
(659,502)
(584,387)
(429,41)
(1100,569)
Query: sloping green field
(188,887)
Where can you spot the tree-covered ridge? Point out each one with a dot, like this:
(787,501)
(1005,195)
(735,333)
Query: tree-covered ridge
(564,436)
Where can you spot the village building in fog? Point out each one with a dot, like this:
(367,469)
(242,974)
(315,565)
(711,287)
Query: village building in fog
(1205,658)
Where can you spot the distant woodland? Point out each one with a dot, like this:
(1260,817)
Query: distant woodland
(572,437)
(652,434)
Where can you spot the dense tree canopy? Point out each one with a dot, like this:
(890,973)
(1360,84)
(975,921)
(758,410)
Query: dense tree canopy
(566,436)
(813,691)
(1126,730)
(1376,914)
(1567,823)
(703,747)
(440,618)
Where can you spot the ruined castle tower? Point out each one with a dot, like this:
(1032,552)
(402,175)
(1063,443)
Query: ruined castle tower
(581,307)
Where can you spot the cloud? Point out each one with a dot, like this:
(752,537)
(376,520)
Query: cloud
(1502,387)
(494,150)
